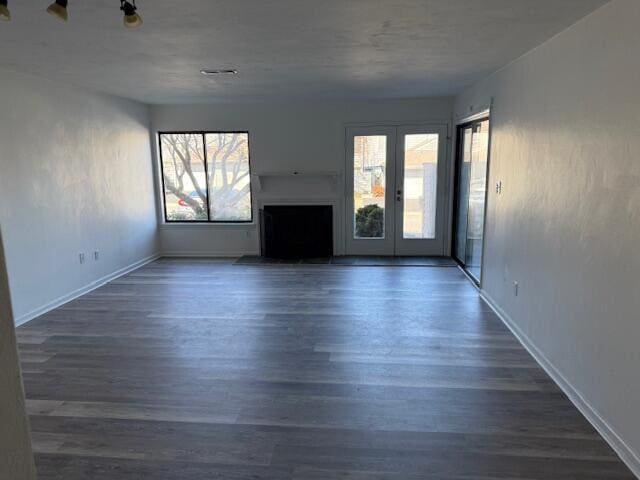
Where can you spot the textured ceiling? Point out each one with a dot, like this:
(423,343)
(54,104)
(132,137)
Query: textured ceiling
(283,49)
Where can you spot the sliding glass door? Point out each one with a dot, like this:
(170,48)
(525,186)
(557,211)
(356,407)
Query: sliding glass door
(472,162)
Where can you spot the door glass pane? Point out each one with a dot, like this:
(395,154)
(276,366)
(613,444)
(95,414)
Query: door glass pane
(420,185)
(369,185)
(185,189)
(463,195)
(229,176)
(477,191)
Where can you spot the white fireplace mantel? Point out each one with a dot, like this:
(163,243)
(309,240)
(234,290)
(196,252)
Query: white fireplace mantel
(332,176)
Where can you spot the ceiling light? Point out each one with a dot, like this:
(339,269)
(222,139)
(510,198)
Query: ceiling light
(5,14)
(218,72)
(131,17)
(59,9)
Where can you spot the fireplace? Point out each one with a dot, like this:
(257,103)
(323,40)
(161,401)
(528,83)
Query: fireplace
(296,231)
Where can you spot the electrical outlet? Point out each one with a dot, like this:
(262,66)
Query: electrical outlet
(516,287)
(81,257)
(499,187)
(96,255)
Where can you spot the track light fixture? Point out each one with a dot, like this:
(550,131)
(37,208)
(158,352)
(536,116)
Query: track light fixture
(59,9)
(5,14)
(131,17)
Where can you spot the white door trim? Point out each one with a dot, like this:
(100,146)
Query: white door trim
(390,245)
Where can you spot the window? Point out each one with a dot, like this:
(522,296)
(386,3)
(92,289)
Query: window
(369,185)
(420,185)
(206,176)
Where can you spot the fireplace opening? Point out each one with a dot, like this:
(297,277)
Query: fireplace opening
(296,231)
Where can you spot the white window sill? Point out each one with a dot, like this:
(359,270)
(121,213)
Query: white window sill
(207,225)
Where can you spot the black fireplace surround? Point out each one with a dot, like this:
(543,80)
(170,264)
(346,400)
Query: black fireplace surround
(296,231)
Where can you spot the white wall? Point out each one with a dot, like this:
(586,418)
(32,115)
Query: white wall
(75,176)
(16,457)
(284,138)
(566,145)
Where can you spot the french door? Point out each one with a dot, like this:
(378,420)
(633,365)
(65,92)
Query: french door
(395,190)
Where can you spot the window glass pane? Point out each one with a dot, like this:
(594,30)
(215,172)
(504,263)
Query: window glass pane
(185,191)
(463,195)
(229,176)
(477,191)
(420,185)
(369,185)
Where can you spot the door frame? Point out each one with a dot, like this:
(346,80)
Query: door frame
(457,164)
(445,170)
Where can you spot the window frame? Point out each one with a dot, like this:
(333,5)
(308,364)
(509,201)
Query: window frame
(203,133)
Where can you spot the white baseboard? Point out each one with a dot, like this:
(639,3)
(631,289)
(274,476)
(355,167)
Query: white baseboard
(192,254)
(82,290)
(624,451)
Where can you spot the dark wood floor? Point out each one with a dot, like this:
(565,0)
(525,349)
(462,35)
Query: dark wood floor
(201,369)
(361,261)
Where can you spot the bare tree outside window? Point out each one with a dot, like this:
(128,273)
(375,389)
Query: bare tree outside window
(206,176)
(229,176)
(184,176)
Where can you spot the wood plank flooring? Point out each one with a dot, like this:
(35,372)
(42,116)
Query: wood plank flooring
(368,261)
(202,369)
